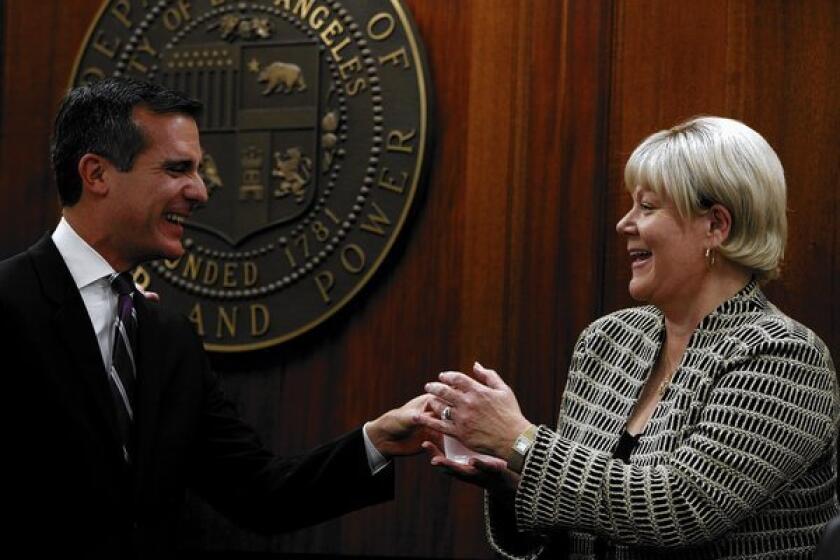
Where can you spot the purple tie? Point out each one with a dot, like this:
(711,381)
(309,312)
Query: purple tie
(123,372)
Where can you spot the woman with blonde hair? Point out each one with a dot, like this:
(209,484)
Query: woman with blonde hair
(703,423)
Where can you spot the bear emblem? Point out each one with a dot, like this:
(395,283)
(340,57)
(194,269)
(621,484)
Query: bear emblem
(283,77)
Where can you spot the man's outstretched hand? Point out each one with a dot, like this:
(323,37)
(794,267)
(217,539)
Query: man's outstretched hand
(398,432)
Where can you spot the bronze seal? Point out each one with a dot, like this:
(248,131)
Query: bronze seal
(314,132)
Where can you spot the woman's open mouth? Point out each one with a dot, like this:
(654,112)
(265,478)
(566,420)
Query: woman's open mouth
(639,257)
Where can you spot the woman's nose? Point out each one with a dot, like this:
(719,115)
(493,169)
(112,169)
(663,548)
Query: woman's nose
(625,224)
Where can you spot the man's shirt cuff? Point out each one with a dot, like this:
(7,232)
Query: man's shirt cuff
(376,460)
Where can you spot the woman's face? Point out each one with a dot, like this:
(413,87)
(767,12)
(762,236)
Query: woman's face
(667,253)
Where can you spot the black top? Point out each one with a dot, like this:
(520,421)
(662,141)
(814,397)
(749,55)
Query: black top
(626,445)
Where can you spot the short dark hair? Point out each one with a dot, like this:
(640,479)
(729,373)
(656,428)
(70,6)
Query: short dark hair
(97,119)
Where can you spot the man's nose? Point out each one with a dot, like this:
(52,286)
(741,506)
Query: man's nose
(197,191)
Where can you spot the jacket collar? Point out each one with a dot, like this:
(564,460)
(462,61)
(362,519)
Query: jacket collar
(55,280)
(748,301)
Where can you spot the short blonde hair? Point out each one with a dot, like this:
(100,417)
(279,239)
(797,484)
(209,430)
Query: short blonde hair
(709,160)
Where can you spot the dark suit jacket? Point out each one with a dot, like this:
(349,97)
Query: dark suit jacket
(69,488)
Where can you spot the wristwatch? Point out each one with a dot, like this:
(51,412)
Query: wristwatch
(521,446)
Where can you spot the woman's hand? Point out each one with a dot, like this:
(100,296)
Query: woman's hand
(483,412)
(490,473)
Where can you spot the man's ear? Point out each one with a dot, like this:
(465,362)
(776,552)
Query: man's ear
(92,171)
(720,223)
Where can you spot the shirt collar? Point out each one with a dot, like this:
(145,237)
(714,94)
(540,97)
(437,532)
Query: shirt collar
(85,264)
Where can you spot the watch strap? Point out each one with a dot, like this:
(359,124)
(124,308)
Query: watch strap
(521,447)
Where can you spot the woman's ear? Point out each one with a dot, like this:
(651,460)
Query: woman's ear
(92,170)
(720,223)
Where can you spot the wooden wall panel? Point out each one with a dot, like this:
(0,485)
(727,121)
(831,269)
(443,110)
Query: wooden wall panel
(41,40)
(512,249)
(789,90)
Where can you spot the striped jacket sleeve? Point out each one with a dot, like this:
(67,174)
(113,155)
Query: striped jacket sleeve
(504,537)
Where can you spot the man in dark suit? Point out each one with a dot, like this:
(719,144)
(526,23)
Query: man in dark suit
(112,410)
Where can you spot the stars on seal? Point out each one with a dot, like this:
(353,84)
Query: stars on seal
(254,65)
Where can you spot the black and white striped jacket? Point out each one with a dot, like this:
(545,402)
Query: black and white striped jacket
(738,461)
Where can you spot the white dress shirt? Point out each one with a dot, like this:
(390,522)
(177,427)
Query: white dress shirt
(92,275)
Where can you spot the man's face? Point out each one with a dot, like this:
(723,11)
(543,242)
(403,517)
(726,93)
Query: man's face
(150,202)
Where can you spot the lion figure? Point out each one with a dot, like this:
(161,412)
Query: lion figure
(294,171)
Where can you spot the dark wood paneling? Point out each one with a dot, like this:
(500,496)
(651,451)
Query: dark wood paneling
(41,40)
(512,248)
(789,90)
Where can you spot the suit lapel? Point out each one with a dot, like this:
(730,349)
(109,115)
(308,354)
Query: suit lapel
(150,378)
(75,333)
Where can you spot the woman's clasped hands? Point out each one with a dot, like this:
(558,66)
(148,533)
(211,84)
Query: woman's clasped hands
(481,412)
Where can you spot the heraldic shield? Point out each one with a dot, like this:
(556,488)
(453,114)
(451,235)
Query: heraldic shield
(260,131)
